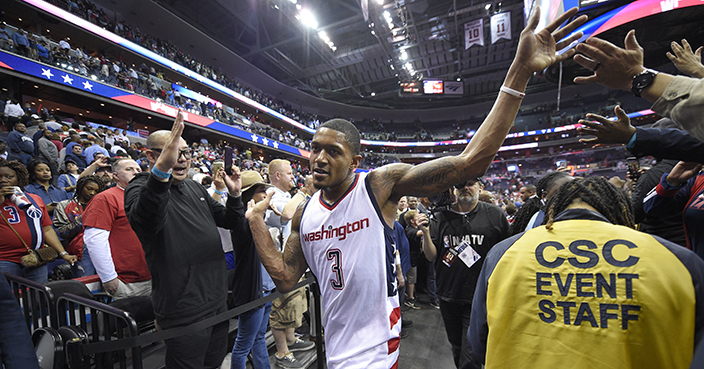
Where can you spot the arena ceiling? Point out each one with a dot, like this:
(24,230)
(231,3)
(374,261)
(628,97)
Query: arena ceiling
(370,57)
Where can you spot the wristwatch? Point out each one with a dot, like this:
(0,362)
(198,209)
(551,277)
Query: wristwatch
(642,80)
(62,253)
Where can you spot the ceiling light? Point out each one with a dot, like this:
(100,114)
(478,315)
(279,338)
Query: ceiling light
(380,2)
(404,55)
(487,6)
(293,1)
(373,33)
(298,6)
(308,19)
(373,94)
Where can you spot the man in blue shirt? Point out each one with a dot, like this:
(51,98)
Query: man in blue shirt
(21,42)
(20,144)
(96,147)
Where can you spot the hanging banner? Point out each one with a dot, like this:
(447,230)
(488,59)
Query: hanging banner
(474,33)
(365,9)
(500,26)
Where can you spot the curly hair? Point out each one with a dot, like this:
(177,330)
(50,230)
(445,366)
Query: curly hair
(597,192)
(83,181)
(20,171)
(32,166)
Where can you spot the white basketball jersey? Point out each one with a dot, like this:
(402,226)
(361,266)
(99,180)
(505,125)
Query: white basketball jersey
(350,249)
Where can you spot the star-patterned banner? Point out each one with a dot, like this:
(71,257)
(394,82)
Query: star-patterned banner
(54,75)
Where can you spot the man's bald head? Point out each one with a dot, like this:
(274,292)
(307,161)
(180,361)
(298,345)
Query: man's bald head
(157,139)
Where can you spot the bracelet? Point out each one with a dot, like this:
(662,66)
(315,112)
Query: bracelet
(62,253)
(512,92)
(160,174)
(218,192)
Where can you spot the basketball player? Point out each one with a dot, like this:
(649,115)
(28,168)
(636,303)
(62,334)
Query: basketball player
(344,232)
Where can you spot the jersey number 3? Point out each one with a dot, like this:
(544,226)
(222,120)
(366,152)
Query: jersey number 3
(335,256)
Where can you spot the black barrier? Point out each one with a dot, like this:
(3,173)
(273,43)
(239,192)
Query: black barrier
(36,300)
(42,309)
(136,341)
(102,317)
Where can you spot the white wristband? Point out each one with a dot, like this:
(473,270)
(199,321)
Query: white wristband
(512,92)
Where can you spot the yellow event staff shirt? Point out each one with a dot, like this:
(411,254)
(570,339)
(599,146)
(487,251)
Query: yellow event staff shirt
(586,294)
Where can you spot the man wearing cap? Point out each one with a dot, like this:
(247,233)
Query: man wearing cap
(176,221)
(458,240)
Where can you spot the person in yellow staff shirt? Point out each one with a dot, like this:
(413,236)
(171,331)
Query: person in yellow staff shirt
(588,291)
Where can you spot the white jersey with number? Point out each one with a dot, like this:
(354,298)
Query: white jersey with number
(350,249)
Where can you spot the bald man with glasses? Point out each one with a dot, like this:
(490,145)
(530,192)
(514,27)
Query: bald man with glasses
(176,221)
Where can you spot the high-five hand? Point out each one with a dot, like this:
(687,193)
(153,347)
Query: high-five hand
(170,153)
(537,51)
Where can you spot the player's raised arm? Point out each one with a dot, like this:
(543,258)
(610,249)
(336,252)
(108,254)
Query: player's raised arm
(536,51)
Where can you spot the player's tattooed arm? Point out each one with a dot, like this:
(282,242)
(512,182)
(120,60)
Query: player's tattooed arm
(284,268)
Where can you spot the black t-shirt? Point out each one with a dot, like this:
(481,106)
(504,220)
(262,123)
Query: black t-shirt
(416,244)
(481,228)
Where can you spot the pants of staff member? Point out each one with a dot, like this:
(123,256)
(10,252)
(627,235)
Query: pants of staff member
(203,349)
(456,319)
(430,284)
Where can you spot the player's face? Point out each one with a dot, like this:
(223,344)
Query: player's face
(330,158)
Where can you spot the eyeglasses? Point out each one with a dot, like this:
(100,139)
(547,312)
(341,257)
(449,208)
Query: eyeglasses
(186,153)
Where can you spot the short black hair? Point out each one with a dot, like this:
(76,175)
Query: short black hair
(352,138)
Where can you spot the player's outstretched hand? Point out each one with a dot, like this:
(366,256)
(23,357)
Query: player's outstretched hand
(537,51)
(607,131)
